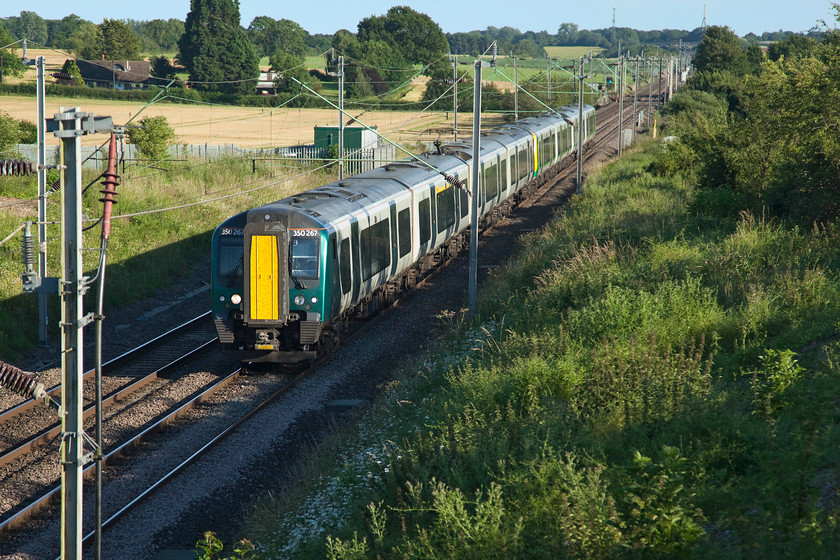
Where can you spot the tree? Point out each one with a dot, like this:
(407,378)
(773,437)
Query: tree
(118,41)
(413,34)
(215,49)
(720,50)
(31,26)
(70,67)
(162,67)
(10,64)
(84,43)
(567,34)
(269,36)
(792,46)
(527,48)
(164,33)
(153,138)
(288,68)
(61,30)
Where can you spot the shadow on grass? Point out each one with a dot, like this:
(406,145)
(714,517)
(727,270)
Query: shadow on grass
(126,282)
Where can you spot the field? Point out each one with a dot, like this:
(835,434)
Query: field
(572,52)
(248,127)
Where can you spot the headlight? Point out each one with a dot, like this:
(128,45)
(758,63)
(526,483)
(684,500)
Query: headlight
(236,299)
(299,299)
(314,300)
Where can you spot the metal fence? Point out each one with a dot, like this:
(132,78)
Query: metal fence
(96,157)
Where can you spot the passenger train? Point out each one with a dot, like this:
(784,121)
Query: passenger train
(287,277)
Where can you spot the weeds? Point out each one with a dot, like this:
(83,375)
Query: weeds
(624,327)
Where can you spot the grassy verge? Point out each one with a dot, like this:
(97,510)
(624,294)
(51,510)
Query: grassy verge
(655,383)
(147,252)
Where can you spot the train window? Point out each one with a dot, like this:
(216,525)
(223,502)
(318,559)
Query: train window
(523,162)
(505,174)
(445,207)
(344,265)
(552,141)
(231,253)
(303,256)
(404,223)
(491,182)
(376,249)
(465,197)
(425,218)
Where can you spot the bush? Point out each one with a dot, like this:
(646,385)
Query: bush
(9,134)
(153,139)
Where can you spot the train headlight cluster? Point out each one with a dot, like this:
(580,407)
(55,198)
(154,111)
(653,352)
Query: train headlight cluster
(299,299)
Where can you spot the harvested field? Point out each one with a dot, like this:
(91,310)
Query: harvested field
(248,127)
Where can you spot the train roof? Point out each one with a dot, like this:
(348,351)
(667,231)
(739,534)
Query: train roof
(362,192)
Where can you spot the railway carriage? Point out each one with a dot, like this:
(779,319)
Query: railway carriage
(288,276)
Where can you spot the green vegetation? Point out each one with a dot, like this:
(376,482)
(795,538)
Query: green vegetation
(10,134)
(655,383)
(152,139)
(216,51)
(572,53)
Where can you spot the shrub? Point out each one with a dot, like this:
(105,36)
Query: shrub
(153,138)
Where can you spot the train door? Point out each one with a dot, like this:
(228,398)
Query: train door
(356,259)
(393,242)
(266,277)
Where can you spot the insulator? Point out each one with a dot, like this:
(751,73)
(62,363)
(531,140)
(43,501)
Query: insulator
(24,384)
(111,182)
(9,167)
(27,246)
(494,49)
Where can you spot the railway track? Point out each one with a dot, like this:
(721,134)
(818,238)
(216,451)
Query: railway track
(30,430)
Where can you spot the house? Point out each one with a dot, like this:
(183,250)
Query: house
(116,74)
(266,85)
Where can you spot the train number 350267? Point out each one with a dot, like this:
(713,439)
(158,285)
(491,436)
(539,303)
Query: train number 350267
(304,233)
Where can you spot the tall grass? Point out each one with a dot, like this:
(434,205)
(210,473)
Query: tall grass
(635,386)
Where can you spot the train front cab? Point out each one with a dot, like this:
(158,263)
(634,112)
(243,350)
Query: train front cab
(279,316)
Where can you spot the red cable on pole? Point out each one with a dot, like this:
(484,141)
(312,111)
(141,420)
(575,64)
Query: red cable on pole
(112,180)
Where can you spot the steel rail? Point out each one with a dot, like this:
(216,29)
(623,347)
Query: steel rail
(48,434)
(55,391)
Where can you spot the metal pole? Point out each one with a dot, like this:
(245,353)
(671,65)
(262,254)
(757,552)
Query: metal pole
(620,80)
(43,320)
(72,348)
(650,92)
(670,78)
(476,191)
(680,64)
(635,99)
(580,132)
(455,97)
(549,82)
(515,91)
(659,92)
(340,118)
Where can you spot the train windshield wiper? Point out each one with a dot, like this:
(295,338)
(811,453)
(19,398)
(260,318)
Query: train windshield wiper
(295,278)
(236,274)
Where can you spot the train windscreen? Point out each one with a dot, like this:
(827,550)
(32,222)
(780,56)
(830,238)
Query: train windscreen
(304,257)
(230,264)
